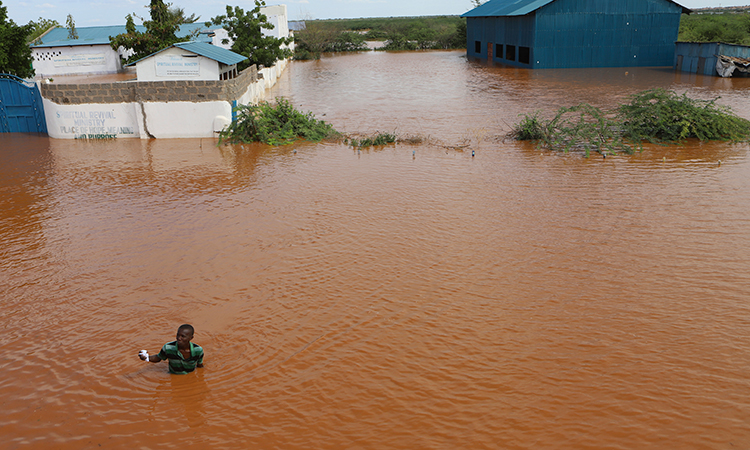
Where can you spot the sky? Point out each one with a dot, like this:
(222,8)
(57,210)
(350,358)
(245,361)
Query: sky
(113,12)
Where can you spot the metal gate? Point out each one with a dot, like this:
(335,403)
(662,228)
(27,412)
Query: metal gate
(21,107)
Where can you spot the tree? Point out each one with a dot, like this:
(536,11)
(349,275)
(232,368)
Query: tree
(159,34)
(245,31)
(40,27)
(313,40)
(178,14)
(15,53)
(71,25)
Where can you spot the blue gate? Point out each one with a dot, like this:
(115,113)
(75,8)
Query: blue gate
(21,107)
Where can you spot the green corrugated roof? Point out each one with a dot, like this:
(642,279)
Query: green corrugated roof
(219,54)
(500,8)
(58,37)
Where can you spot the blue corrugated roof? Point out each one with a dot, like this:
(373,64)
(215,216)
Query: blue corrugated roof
(58,37)
(219,54)
(495,8)
(499,8)
(222,55)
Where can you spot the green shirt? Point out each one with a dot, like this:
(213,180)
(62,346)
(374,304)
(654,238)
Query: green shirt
(177,363)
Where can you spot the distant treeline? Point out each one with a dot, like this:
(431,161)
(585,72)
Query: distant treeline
(731,28)
(397,33)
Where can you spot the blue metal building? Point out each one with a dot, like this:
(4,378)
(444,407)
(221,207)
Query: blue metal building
(701,57)
(551,34)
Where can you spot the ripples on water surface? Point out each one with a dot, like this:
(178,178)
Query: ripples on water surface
(405,297)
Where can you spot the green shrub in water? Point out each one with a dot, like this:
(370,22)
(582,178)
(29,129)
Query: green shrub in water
(275,124)
(530,128)
(582,127)
(377,139)
(656,115)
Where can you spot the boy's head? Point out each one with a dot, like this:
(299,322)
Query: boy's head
(184,335)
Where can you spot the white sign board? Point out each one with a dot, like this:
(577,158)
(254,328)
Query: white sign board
(177,66)
(80,59)
(91,122)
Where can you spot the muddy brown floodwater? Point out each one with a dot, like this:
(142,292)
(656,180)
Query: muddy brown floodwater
(404,297)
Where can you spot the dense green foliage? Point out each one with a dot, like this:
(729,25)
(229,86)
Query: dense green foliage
(655,115)
(245,31)
(275,124)
(159,34)
(398,33)
(731,28)
(15,53)
(659,115)
(433,36)
(40,27)
(319,37)
(180,16)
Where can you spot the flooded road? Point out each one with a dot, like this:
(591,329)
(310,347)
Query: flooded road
(402,297)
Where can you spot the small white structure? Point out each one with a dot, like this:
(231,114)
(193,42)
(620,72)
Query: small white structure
(56,53)
(276,15)
(189,61)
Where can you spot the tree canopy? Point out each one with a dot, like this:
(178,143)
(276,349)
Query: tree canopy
(40,27)
(15,53)
(245,30)
(159,34)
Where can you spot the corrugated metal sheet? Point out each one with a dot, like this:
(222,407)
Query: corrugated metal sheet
(499,8)
(219,54)
(700,57)
(58,37)
(21,106)
(582,33)
(222,55)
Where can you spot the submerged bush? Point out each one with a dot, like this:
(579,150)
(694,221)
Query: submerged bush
(275,124)
(375,140)
(530,128)
(660,115)
(655,115)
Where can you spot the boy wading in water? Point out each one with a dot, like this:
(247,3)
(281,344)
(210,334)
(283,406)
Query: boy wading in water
(183,355)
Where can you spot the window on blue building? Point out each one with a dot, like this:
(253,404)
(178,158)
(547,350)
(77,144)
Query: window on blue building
(524,55)
(499,50)
(510,52)
(478,47)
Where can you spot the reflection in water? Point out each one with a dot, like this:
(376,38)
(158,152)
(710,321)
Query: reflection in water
(399,297)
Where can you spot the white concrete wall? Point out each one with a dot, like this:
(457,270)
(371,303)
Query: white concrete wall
(92,121)
(219,35)
(151,119)
(136,120)
(75,60)
(277,17)
(147,69)
(183,119)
